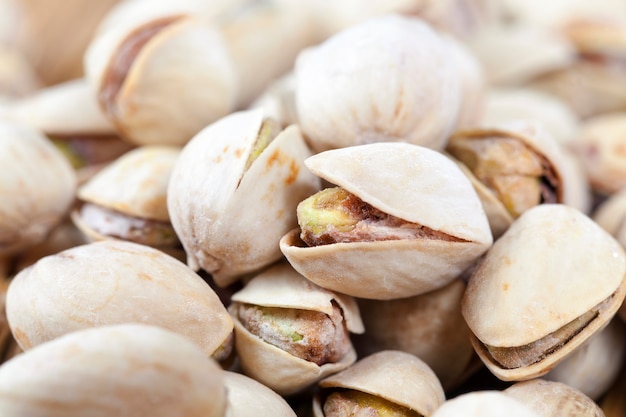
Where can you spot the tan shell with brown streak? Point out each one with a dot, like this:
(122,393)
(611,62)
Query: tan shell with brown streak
(249,398)
(413,183)
(181,80)
(124,370)
(230,219)
(531,291)
(37,186)
(281,286)
(398,377)
(113,282)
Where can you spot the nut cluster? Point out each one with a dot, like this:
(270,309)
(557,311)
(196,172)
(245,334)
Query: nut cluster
(325,208)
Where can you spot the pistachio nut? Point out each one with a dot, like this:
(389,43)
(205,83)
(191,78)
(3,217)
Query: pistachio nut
(17,77)
(113,282)
(614,403)
(484,404)
(386,383)
(290,333)
(338,95)
(233,193)
(278,101)
(554,399)
(37,187)
(429,326)
(248,398)
(611,215)
(162,81)
(123,370)
(128,200)
(528,312)
(404,213)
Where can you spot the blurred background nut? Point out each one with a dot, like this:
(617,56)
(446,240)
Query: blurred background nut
(17,77)
(404,213)
(484,404)
(248,398)
(289,333)
(528,312)
(112,371)
(112,282)
(554,399)
(611,215)
(386,383)
(37,187)
(234,191)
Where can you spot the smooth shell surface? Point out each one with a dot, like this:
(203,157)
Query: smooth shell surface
(113,282)
(484,404)
(249,398)
(230,219)
(415,184)
(125,370)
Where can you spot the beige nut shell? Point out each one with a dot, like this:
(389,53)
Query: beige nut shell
(413,183)
(111,282)
(551,266)
(128,370)
(396,376)
(281,286)
(230,219)
(484,404)
(249,398)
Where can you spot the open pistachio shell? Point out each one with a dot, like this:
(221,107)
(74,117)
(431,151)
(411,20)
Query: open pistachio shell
(484,404)
(338,95)
(37,187)
(282,287)
(550,282)
(230,217)
(113,282)
(410,182)
(163,81)
(278,101)
(249,398)
(124,370)
(554,399)
(398,377)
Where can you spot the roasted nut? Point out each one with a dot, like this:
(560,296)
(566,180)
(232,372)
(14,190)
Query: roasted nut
(528,312)
(234,191)
(389,383)
(289,332)
(484,404)
(111,282)
(249,398)
(124,370)
(404,213)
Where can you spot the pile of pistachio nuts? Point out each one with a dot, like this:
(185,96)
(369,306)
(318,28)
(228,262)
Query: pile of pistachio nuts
(313,208)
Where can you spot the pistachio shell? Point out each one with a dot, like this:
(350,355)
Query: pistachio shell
(550,267)
(17,77)
(131,370)
(37,187)
(484,404)
(610,215)
(415,184)
(399,377)
(278,101)
(112,282)
(249,398)
(232,226)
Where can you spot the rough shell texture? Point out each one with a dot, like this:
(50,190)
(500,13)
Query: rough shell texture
(281,286)
(398,377)
(484,404)
(338,95)
(249,398)
(134,184)
(230,219)
(113,282)
(180,81)
(415,184)
(37,187)
(552,265)
(554,399)
(125,370)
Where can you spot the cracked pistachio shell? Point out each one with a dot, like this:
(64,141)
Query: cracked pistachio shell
(338,95)
(113,282)
(281,286)
(484,404)
(229,218)
(552,266)
(249,398)
(553,399)
(37,186)
(415,184)
(278,101)
(395,376)
(128,370)
(162,81)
